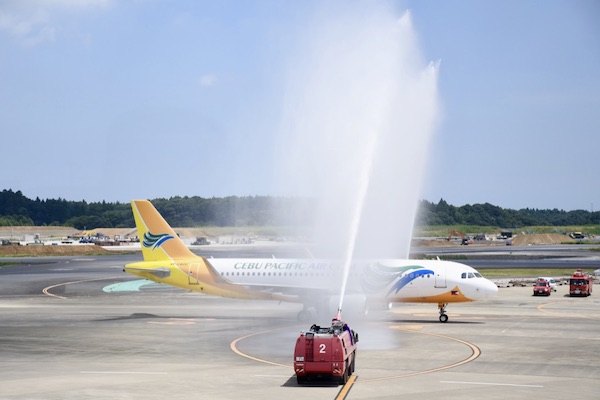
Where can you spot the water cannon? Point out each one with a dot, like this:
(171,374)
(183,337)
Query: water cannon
(337,318)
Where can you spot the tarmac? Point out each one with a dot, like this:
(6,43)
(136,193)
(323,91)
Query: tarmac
(64,335)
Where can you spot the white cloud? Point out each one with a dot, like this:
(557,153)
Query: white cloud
(74,3)
(32,22)
(207,80)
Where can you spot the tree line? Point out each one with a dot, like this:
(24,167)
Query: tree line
(487,214)
(18,210)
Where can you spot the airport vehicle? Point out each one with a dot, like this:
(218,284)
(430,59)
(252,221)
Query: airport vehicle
(580,284)
(542,288)
(308,281)
(465,240)
(326,352)
(551,281)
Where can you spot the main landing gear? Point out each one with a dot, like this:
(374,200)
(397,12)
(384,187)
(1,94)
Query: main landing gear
(443,316)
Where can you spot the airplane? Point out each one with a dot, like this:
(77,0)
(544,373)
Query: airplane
(309,281)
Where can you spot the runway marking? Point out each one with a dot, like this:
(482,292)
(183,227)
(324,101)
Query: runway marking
(513,325)
(124,372)
(475,352)
(408,327)
(46,290)
(233,347)
(346,388)
(492,384)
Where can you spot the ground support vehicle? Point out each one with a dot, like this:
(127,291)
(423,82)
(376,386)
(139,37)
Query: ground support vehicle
(542,288)
(580,284)
(465,240)
(326,352)
(551,281)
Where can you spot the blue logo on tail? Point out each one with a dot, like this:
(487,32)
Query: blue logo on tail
(153,241)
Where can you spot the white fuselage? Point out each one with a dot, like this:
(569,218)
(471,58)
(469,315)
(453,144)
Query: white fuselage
(393,280)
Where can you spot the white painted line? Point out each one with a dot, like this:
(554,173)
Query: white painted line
(46,290)
(514,324)
(492,384)
(124,372)
(273,376)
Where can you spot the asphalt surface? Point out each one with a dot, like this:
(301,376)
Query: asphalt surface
(71,328)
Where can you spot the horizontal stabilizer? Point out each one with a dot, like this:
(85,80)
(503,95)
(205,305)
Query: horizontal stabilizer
(158,272)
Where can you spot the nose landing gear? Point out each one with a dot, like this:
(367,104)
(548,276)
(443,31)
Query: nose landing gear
(443,316)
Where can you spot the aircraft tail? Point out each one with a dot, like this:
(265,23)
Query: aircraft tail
(159,241)
(168,260)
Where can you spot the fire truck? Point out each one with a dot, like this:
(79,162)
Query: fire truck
(326,352)
(580,284)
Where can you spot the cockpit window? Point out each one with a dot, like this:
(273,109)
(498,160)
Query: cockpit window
(463,275)
(477,274)
(471,275)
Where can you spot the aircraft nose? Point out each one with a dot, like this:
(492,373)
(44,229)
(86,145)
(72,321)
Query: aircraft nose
(484,289)
(490,289)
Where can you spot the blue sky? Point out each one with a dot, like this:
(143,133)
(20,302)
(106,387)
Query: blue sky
(120,99)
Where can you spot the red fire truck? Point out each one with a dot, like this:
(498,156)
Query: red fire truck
(326,352)
(580,284)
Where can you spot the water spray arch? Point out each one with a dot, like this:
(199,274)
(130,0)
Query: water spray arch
(361,107)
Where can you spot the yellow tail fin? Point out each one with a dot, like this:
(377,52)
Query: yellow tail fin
(159,241)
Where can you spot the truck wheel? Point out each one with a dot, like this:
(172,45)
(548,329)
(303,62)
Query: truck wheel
(353,364)
(344,377)
(300,379)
